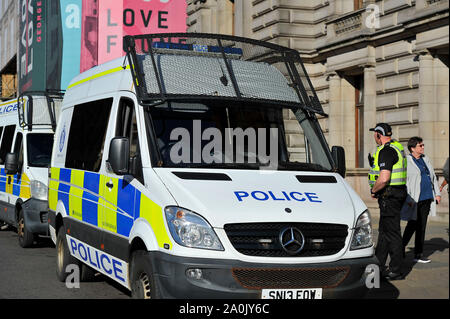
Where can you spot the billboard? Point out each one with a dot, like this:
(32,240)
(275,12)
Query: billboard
(32,44)
(62,38)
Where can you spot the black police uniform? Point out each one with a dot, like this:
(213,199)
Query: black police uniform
(390,200)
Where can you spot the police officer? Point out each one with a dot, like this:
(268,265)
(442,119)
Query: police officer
(387,179)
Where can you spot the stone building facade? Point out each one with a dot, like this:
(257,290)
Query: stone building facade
(9,36)
(369,60)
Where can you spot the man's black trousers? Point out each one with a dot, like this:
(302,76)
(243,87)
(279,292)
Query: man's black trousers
(389,231)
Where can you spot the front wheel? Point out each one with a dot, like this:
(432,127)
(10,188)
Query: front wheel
(63,256)
(26,238)
(143,285)
(3,225)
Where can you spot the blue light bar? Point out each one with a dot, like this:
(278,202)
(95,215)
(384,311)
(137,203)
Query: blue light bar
(173,46)
(196,48)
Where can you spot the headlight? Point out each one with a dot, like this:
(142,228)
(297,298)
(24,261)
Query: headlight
(190,229)
(38,190)
(362,233)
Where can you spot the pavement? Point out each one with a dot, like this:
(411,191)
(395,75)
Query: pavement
(421,281)
(30,273)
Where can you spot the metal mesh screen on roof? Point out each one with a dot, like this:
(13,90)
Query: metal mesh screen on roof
(170,66)
(39,108)
(207,76)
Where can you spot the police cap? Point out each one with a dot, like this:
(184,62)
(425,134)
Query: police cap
(382,128)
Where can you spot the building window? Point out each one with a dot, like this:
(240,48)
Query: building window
(359,120)
(357,4)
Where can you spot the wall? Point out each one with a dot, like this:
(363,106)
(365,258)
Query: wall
(8,46)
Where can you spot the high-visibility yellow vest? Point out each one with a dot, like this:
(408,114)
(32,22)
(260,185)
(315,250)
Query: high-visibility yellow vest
(398,173)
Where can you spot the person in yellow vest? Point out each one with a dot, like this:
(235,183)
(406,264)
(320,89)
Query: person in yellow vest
(387,181)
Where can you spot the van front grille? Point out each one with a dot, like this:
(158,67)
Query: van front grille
(263,239)
(287,278)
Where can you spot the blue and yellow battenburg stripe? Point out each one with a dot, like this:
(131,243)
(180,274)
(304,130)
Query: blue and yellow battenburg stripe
(19,186)
(86,198)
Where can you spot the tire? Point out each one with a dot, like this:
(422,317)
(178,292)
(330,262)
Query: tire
(63,256)
(87,273)
(3,226)
(143,285)
(26,238)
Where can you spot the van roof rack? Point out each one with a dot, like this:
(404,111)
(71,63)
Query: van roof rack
(39,113)
(214,66)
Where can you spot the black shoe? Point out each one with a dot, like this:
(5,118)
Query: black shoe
(384,271)
(421,260)
(393,276)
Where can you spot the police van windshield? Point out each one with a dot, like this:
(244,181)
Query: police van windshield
(39,148)
(234,134)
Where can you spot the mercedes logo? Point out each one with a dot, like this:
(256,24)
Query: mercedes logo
(292,240)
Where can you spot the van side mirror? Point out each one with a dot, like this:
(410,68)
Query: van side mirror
(11,163)
(338,154)
(119,155)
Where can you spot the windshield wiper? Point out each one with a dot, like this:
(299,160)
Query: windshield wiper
(225,165)
(284,165)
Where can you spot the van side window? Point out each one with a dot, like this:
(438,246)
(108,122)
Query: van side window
(87,135)
(7,139)
(18,149)
(127,127)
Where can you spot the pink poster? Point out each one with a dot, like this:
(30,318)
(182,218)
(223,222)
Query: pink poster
(110,30)
(89,35)
(117,18)
(154,16)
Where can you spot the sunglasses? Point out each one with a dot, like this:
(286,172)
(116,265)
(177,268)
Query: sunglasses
(421,145)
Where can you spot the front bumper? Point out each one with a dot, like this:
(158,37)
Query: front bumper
(35,213)
(235,279)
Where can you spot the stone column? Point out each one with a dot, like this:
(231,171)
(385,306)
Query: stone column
(433,113)
(370,110)
(341,121)
(442,105)
(348,122)
(213,16)
(335,110)
(225,17)
(243,18)
(426,100)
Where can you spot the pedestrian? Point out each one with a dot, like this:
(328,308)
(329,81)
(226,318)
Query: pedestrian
(387,179)
(446,179)
(423,190)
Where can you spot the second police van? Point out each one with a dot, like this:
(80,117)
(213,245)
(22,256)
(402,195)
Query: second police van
(196,168)
(27,125)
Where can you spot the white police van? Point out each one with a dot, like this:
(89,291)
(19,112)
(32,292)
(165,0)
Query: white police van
(196,168)
(27,126)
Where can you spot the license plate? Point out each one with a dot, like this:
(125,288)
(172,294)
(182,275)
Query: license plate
(310,293)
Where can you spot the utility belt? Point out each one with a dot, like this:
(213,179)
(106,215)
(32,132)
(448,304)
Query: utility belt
(391,191)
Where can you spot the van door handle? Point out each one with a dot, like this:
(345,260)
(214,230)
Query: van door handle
(110,184)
